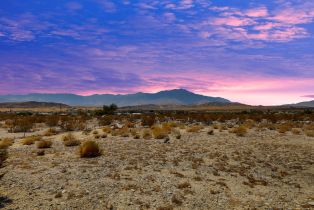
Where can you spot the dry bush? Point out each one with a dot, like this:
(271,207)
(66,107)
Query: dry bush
(215,126)
(249,124)
(309,133)
(148,121)
(195,128)
(89,149)
(5,143)
(222,128)
(20,124)
(296,131)
(168,126)
(147,134)
(30,140)
(135,133)
(71,143)
(3,156)
(43,144)
(283,128)
(51,132)
(160,132)
(177,133)
(240,131)
(69,140)
(68,136)
(107,130)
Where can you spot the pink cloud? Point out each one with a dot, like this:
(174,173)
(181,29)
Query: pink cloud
(233,21)
(257,12)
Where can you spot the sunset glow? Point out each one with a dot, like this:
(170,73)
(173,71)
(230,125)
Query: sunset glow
(256,52)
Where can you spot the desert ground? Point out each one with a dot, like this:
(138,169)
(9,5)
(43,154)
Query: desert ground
(170,164)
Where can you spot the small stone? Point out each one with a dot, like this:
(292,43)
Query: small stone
(311,203)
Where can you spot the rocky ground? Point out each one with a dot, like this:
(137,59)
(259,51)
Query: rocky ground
(263,170)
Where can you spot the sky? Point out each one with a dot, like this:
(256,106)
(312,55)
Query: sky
(249,51)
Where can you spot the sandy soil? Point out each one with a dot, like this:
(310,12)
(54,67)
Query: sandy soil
(264,170)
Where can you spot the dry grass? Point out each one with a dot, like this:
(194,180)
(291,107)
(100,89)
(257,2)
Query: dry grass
(69,140)
(309,133)
(51,132)
(160,132)
(195,128)
(89,149)
(296,131)
(147,134)
(43,144)
(107,130)
(30,140)
(5,143)
(283,128)
(240,130)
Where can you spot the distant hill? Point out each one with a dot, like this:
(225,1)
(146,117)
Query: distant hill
(206,106)
(32,104)
(303,104)
(176,96)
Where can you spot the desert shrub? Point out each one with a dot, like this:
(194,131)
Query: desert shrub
(52,121)
(69,140)
(159,132)
(51,132)
(309,133)
(106,129)
(6,143)
(73,123)
(71,143)
(20,124)
(195,128)
(30,140)
(89,149)
(68,137)
(106,120)
(147,134)
(148,121)
(240,130)
(296,131)
(215,126)
(3,156)
(283,128)
(135,133)
(95,132)
(43,144)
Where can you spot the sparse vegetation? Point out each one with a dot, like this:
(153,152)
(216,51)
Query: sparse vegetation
(6,143)
(89,149)
(31,140)
(240,130)
(44,144)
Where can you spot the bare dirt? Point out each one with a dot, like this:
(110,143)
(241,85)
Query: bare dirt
(263,170)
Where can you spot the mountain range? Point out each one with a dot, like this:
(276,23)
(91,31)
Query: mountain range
(176,96)
(303,104)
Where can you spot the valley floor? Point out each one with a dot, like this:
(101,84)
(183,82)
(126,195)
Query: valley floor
(263,170)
